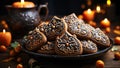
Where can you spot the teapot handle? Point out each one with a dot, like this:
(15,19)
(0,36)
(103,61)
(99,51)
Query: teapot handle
(46,9)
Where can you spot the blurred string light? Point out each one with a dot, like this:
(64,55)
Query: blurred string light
(108,2)
(98,9)
(89,2)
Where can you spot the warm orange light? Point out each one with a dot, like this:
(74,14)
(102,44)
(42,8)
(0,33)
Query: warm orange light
(22,1)
(88,15)
(98,9)
(117,39)
(5,38)
(105,23)
(23,4)
(106,20)
(4,31)
(108,2)
(89,10)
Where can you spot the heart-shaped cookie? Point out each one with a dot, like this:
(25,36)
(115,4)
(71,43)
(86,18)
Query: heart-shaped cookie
(34,39)
(68,45)
(54,28)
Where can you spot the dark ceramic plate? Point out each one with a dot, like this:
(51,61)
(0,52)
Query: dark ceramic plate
(46,57)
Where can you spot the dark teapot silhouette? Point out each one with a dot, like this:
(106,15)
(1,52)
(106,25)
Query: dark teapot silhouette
(22,20)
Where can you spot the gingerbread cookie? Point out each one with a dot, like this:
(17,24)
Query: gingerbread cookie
(89,27)
(89,47)
(54,28)
(34,39)
(48,48)
(68,45)
(42,26)
(72,18)
(77,26)
(100,38)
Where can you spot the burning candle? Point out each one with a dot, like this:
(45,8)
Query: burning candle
(98,10)
(5,38)
(88,15)
(99,14)
(105,23)
(23,4)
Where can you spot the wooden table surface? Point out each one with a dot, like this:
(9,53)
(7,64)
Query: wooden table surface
(108,59)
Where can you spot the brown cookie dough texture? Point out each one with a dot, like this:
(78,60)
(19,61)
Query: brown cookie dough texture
(100,38)
(85,31)
(54,28)
(68,45)
(63,32)
(47,48)
(89,47)
(77,26)
(34,39)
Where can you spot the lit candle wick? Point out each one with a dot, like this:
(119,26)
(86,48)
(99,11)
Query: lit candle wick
(98,9)
(106,20)
(88,15)
(105,23)
(23,4)
(89,10)
(4,31)
(5,38)
(22,1)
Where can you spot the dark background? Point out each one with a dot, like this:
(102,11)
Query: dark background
(64,7)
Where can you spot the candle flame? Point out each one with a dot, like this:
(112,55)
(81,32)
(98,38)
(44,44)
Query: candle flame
(98,9)
(105,19)
(22,1)
(108,2)
(4,31)
(89,10)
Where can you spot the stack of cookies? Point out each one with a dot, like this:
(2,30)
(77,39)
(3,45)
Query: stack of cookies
(67,36)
